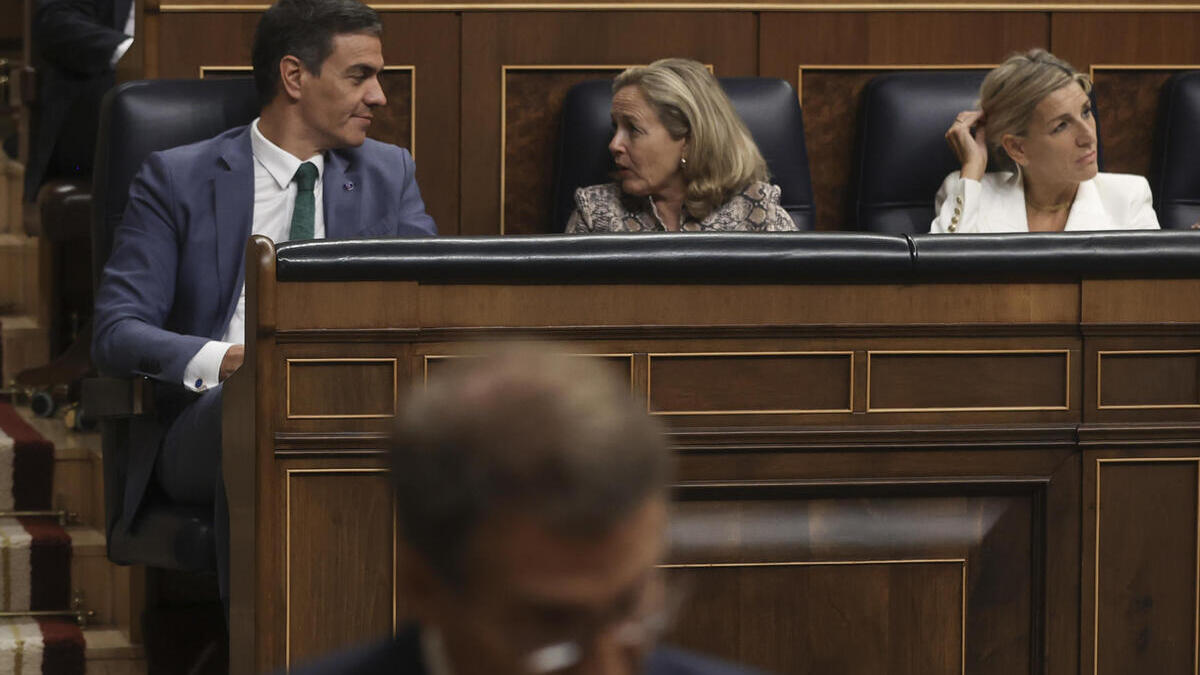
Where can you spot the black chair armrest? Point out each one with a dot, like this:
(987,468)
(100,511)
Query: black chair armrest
(108,397)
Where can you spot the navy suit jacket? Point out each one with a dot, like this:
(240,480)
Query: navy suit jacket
(178,259)
(401,655)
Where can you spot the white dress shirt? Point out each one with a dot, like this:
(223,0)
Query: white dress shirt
(274,201)
(1110,201)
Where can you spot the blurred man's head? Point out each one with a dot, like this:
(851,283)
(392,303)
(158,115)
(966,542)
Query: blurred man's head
(532,496)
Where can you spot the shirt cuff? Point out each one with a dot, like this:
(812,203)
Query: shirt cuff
(204,370)
(120,51)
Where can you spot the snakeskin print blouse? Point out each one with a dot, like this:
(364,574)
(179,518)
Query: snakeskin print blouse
(604,208)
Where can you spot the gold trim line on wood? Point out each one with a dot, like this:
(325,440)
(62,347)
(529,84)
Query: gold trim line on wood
(1100,354)
(287,392)
(816,411)
(722,7)
(880,68)
(287,554)
(412,96)
(1096,557)
(919,352)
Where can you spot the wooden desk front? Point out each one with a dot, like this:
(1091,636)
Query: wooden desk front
(930,478)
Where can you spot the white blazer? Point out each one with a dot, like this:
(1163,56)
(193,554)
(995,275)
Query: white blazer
(1110,201)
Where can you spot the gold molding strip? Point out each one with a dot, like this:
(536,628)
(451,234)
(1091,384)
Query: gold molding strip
(880,68)
(412,95)
(287,555)
(1089,8)
(1153,406)
(287,392)
(669,413)
(931,561)
(1096,557)
(438,357)
(919,352)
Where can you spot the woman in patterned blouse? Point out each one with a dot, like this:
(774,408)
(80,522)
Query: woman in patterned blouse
(685,160)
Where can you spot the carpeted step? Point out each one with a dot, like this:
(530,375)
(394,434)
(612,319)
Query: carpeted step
(41,647)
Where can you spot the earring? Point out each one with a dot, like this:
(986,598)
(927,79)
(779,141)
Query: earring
(683,162)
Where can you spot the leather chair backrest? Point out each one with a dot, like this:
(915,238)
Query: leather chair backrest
(1175,170)
(902,157)
(138,118)
(769,108)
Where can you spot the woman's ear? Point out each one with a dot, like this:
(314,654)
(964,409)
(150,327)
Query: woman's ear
(1015,147)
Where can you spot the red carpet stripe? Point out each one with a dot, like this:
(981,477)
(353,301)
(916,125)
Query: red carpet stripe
(63,650)
(33,462)
(49,564)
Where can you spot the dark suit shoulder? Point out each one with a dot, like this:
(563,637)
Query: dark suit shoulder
(400,655)
(672,661)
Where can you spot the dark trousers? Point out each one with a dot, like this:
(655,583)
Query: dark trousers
(189,470)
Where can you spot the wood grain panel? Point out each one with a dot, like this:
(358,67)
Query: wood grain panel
(899,381)
(724,39)
(871,42)
(1152,38)
(1145,595)
(1111,301)
(340,579)
(427,42)
(307,305)
(620,365)
(1159,379)
(341,388)
(533,100)
(682,384)
(1126,113)
(898,618)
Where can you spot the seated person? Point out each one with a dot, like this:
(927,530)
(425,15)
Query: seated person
(531,497)
(171,301)
(1036,119)
(685,160)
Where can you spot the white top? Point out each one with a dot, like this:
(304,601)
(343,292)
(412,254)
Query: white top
(274,201)
(1110,201)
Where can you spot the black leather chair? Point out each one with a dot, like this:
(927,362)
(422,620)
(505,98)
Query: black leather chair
(1175,171)
(138,118)
(769,108)
(901,157)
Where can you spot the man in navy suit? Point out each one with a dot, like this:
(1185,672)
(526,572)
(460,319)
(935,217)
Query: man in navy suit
(531,496)
(171,302)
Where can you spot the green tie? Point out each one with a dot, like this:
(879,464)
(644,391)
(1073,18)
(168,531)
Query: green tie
(303,214)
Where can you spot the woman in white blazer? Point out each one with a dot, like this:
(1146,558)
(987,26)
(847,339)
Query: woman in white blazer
(1035,118)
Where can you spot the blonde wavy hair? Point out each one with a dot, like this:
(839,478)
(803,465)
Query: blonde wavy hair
(722,158)
(1012,91)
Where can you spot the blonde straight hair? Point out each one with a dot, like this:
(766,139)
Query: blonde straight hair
(1012,91)
(722,158)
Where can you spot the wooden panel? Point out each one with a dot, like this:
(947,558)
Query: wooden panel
(340,571)
(307,305)
(916,381)
(1146,586)
(1152,38)
(861,45)
(341,388)
(1148,379)
(1126,114)
(426,43)
(533,98)
(902,578)
(681,384)
(892,618)
(725,40)
(1109,301)
(620,365)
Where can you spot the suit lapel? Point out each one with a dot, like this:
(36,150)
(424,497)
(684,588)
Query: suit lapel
(1087,212)
(342,198)
(233,211)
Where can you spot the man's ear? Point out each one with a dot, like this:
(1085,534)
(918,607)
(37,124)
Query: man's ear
(291,75)
(1015,147)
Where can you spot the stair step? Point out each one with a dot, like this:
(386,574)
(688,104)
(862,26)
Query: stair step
(19,290)
(78,468)
(26,344)
(108,589)
(109,652)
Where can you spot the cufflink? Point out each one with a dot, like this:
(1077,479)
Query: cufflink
(200,384)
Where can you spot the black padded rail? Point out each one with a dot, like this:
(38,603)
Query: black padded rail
(815,257)
(603,258)
(1056,256)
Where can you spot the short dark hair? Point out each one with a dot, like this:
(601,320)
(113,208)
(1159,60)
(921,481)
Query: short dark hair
(304,29)
(552,436)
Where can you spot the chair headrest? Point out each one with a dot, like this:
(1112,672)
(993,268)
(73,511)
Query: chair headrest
(1175,171)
